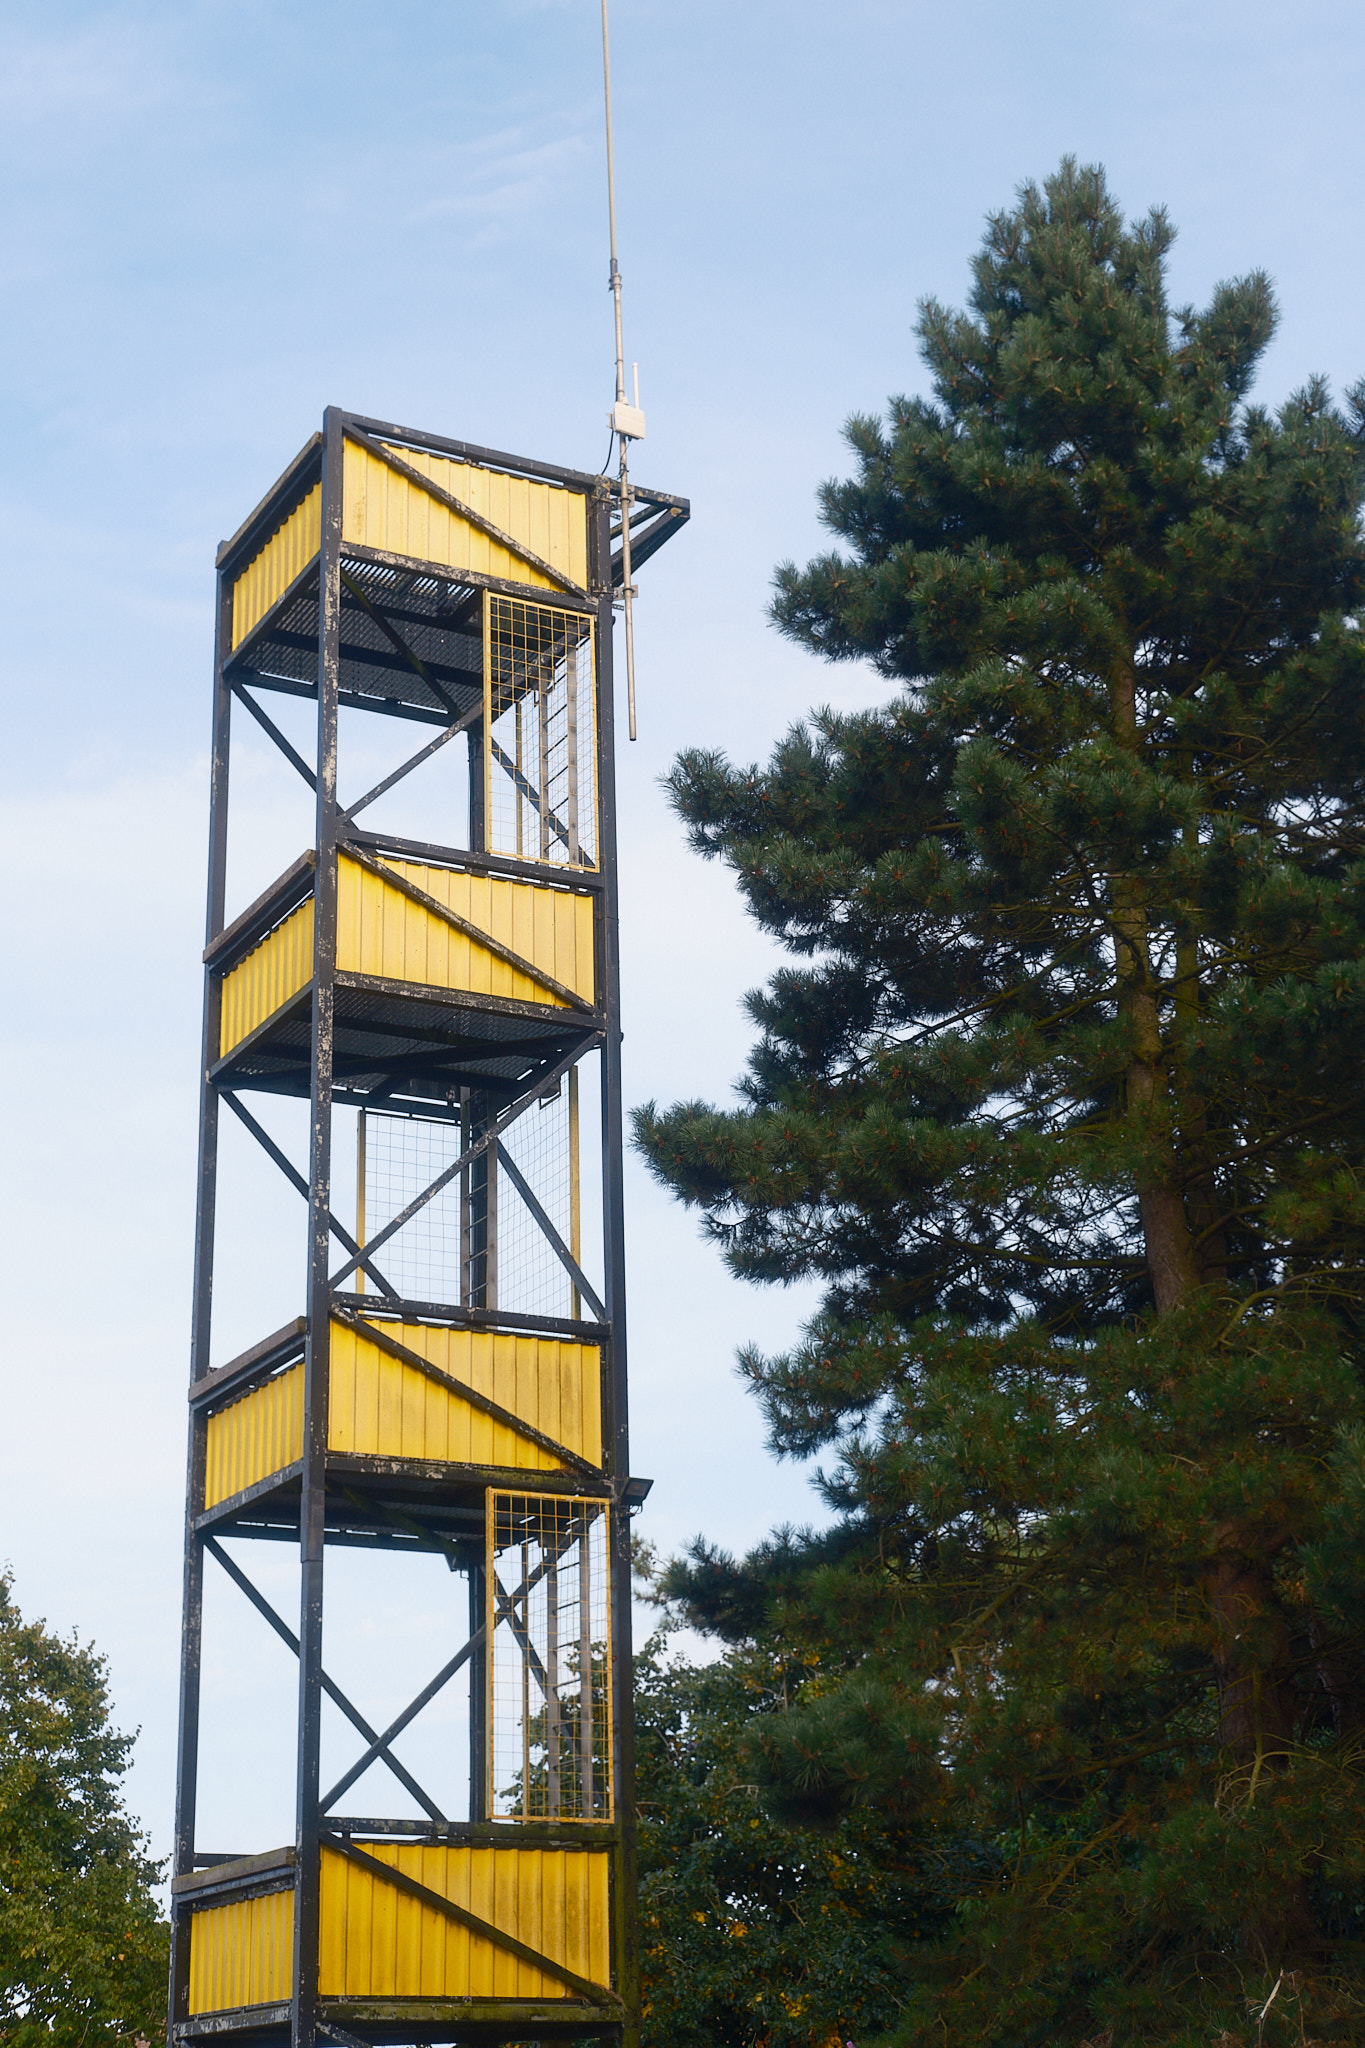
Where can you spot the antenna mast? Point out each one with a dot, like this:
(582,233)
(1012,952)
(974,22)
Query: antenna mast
(626,419)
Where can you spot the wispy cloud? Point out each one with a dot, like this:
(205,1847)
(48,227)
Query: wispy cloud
(501,180)
(111,71)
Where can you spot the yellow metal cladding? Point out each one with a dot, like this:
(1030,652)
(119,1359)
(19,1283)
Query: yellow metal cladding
(384,510)
(269,574)
(270,974)
(377,1942)
(259,1434)
(382,932)
(242,1953)
(382,1406)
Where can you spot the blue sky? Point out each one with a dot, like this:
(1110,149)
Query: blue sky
(220,215)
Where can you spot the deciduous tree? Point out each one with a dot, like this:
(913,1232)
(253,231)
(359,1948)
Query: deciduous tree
(752,1930)
(83,1954)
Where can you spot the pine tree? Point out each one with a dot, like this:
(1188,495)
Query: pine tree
(83,1948)
(1061,1099)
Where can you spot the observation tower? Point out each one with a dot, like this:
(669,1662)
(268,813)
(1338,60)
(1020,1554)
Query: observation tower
(453,1383)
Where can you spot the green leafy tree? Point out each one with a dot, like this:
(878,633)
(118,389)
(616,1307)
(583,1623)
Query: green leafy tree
(750,1930)
(83,1948)
(1061,1098)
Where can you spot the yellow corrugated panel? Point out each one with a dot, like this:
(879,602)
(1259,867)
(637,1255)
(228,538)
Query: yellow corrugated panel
(381,1406)
(376,1942)
(255,1436)
(382,932)
(242,1953)
(270,974)
(269,574)
(382,509)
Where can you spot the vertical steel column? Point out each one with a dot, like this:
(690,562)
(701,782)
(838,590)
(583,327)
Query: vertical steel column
(481,1209)
(313,1503)
(587,1805)
(192,1607)
(474,755)
(478,1696)
(625,1932)
(552,1717)
(466,1242)
(544,685)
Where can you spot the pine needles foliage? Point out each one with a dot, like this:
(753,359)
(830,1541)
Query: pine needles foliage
(1060,1098)
(752,1929)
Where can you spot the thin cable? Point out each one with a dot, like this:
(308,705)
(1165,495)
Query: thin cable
(614,279)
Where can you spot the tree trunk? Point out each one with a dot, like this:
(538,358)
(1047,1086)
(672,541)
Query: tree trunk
(1250,1658)
(1165,1227)
(1166,1234)
(1256,1716)
(1255,1699)
(1202,1205)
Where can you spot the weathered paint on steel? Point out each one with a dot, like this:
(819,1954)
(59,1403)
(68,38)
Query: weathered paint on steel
(381,1405)
(241,1953)
(382,932)
(252,1437)
(377,1942)
(270,974)
(269,574)
(385,510)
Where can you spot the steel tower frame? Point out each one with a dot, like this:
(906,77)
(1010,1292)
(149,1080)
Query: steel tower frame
(412,576)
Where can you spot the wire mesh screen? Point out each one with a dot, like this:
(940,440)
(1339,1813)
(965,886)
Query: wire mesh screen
(480,1242)
(541,1147)
(549,1671)
(399,1156)
(540,788)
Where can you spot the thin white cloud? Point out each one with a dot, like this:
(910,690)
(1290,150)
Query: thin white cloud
(112,70)
(499,177)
